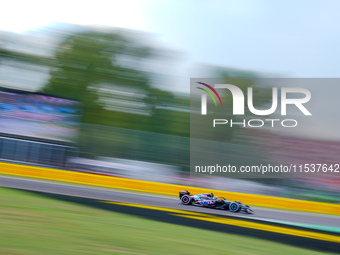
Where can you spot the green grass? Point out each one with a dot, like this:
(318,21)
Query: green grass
(31,224)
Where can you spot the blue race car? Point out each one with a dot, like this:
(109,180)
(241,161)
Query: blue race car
(208,200)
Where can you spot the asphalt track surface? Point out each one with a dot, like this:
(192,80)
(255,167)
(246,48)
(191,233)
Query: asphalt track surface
(264,214)
(170,210)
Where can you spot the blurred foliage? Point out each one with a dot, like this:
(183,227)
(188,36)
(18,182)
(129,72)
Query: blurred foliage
(6,54)
(85,60)
(98,68)
(106,71)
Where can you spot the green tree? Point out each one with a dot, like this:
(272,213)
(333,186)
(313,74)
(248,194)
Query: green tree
(84,61)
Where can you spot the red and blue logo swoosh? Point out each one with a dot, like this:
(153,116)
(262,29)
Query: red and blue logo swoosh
(209,93)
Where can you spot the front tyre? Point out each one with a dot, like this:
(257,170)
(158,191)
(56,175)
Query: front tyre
(186,200)
(234,207)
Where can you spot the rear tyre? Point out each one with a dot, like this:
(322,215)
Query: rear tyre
(234,207)
(186,200)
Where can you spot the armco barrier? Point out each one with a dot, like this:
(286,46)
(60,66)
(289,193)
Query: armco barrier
(162,188)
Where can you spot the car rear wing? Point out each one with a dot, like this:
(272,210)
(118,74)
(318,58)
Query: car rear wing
(183,192)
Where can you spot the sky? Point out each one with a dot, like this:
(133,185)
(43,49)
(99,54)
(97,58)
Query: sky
(283,37)
(21,15)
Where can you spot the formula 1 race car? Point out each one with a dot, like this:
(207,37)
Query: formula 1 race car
(208,200)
